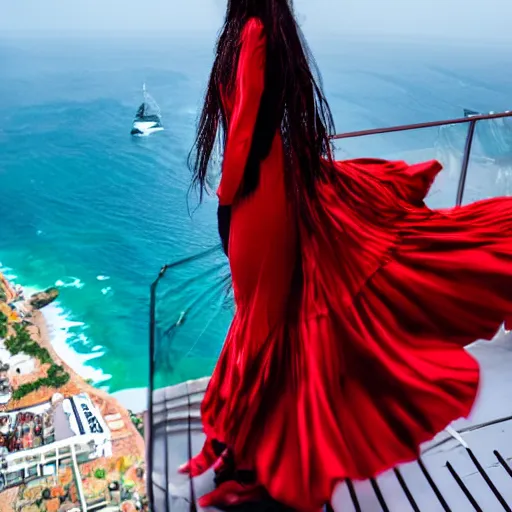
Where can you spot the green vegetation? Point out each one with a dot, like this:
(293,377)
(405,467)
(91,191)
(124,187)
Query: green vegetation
(100,474)
(3,295)
(3,325)
(22,342)
(57,377)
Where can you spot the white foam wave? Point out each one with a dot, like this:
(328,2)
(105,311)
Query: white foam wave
(63,331)
(102,278)
(106,290)
(74,283)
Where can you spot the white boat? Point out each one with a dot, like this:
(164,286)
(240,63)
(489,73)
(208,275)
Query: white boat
(148,118)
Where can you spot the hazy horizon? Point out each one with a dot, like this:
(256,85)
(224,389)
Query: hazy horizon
(433,19)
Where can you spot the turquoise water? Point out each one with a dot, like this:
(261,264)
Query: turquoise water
(87,207)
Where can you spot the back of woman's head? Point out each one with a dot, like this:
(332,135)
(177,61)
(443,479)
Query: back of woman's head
(292,101)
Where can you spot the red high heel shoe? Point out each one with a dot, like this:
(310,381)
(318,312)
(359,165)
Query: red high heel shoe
(204,460)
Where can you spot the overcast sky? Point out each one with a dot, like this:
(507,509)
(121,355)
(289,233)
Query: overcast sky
(481,19)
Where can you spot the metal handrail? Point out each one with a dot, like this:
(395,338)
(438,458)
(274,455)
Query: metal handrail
(430,124)
(465,162)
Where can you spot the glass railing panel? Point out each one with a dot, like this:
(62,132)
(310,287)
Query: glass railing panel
(444,143)
(193,307)
(193,310)
(490,163)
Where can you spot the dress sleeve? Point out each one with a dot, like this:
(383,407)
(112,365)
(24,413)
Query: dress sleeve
(250,82)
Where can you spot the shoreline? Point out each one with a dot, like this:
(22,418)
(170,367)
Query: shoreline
(107,403)
(136,402)
(133,399)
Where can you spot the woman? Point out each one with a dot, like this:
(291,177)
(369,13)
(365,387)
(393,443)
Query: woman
(354,300)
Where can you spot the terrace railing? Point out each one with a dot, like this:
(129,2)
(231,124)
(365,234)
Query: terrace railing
(190,302)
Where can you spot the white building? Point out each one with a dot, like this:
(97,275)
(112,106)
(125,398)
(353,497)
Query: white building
(81,434)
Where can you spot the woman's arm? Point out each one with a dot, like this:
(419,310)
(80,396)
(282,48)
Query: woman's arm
(250,82)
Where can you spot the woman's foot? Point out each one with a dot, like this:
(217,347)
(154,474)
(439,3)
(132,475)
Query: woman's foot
(232,493)
(204,460)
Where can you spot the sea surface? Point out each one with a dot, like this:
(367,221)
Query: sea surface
(88,208)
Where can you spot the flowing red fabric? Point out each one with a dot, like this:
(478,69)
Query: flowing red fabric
(386,295)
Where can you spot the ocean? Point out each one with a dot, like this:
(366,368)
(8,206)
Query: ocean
(88,208)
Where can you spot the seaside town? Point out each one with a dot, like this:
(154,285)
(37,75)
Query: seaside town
(65,446)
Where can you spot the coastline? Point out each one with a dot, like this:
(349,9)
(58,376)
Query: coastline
(134,399)
(27,339)
(106,403)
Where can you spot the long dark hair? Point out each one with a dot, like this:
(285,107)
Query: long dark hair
(292,101)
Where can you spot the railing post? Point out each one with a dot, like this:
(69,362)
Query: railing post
(149,434)
(465,162)
(193,506)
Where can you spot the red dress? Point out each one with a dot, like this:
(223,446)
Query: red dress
(388,294)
